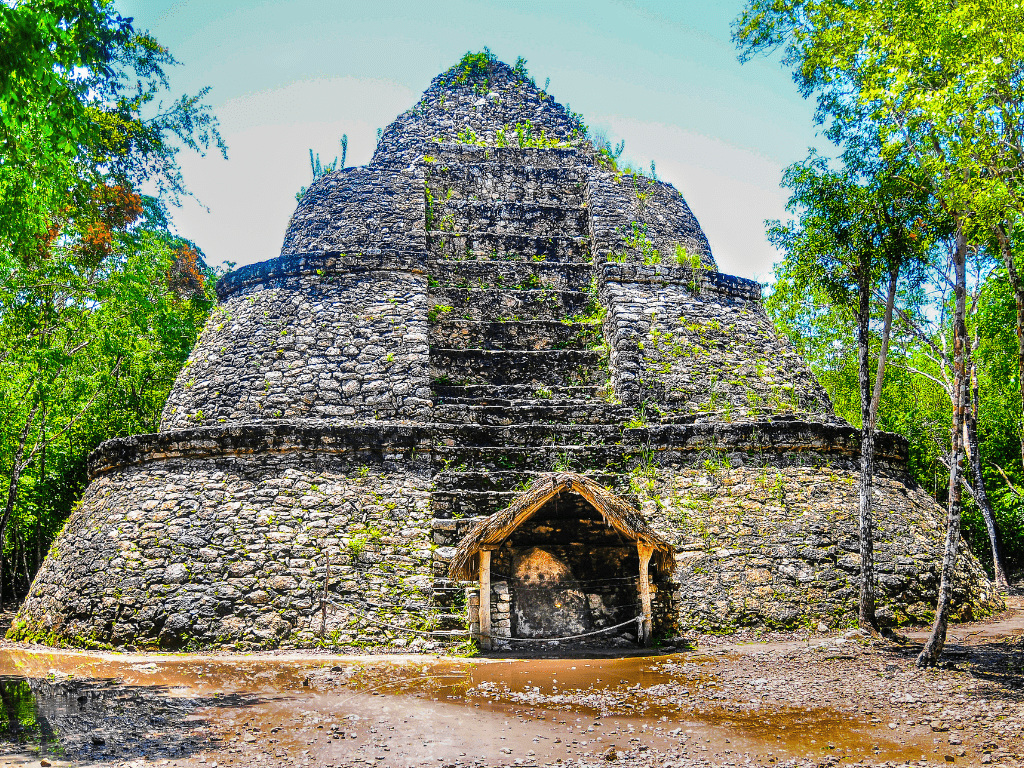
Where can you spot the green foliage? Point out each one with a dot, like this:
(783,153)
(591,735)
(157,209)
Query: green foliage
(639,241)
(521,135)
(607,155)
(436,311)
(643,477)
(915,405)
(319,170)
(477,66)
(930,93)
(100,303)
(81,97)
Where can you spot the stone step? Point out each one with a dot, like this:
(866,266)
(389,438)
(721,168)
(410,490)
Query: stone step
(607,458)
(449,505)
(528,435)
(535,411)
(497,181)
(519,275)
(491,246)
(462,505)
(448,532)
(510,394)
(525,334)
(499,305)
(508,218)
(439,153)
(556,367)
(516,482)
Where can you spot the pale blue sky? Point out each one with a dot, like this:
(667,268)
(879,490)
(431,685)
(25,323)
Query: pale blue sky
(287,76)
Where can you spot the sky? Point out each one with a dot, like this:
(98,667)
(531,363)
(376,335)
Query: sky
(287,76)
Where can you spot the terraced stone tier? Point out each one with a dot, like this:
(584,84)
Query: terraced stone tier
(454,153)
(311,338)
(627,211)
(691,342)
(358,208)
(280,437)
(773,546)
(577,458)
(222,537)
(534,434)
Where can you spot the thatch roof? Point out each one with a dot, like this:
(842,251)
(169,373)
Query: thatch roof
(615,511)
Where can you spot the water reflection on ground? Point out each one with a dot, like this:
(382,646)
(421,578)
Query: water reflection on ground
(272,710)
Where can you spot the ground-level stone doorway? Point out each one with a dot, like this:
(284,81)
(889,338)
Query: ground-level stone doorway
(568,561)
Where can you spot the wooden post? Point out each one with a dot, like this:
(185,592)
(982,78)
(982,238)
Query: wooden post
(645,551)
(485,599)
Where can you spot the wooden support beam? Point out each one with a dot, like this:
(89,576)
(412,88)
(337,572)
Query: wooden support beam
(645,551)
(485,599)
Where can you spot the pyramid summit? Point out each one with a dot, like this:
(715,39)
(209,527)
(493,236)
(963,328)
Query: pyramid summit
(495,389)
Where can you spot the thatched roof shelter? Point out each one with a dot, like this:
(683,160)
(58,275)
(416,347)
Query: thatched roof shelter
(491,532)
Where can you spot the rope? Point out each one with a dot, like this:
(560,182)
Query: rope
(460,632)
(639,623)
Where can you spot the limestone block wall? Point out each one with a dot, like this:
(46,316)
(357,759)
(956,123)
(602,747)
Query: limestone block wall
(224,537)
(359,208)
(483,105)
(632,213)
(697,344)
(468,172)
(340,337)
(766,529)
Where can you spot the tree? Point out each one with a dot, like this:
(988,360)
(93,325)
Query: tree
(79,97)
(928,329)
(90,355)
(929,84)
(852,232)
(85,260)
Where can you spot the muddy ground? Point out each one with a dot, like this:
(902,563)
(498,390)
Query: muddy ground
(777,699)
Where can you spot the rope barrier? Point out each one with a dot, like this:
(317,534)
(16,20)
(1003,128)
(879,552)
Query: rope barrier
(639,624)
(461,632)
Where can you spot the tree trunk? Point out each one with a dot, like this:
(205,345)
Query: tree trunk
(17,467)
(883,353)
(24,563)
(38,556)
(978,482)
(933,648)
(1018,296)
(866,609)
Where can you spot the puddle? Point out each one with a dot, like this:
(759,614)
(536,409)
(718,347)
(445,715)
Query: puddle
(398,711)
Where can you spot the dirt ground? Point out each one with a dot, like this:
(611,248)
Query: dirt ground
(793,699)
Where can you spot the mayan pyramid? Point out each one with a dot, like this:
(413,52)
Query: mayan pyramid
(490,305)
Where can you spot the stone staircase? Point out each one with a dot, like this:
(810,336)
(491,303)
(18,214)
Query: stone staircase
(517,355)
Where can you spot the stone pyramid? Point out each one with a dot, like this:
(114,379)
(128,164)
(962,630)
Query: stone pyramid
(488,301)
